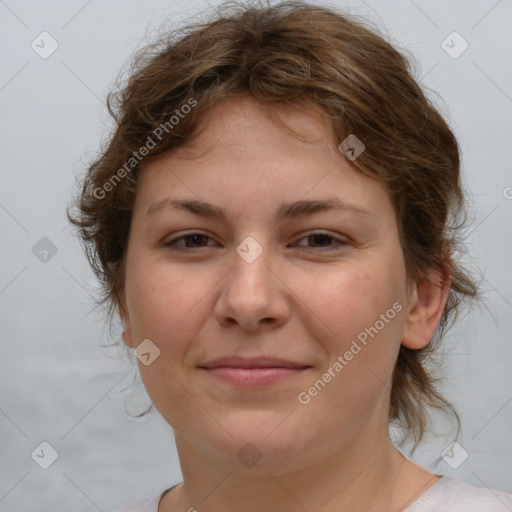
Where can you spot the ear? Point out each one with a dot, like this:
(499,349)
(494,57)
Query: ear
(127,333)
(425,309)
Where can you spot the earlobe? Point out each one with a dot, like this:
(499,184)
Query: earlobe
(122,311)
(425,310)
(128,338)
(127,332)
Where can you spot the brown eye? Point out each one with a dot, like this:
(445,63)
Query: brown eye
(320,239)
(323,241)
(193,240)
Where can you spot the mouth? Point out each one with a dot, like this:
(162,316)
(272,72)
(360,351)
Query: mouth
(253,372)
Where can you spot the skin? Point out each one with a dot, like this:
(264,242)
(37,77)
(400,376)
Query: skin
(302,299)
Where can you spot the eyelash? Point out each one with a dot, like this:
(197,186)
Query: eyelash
(172,243)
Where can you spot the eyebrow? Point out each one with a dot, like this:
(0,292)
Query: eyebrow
(293,209)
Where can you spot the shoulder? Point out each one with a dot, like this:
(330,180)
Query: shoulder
(453,495)
(149,505)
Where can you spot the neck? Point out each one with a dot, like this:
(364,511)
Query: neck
(368,475)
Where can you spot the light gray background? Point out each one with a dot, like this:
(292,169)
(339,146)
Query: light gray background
(59,385)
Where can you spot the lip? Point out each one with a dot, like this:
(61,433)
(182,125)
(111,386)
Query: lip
(253,362)
(253,372)
(253,377)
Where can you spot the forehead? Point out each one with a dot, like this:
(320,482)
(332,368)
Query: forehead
(242,154)
(249,124)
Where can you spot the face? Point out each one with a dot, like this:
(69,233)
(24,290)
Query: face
(324,288)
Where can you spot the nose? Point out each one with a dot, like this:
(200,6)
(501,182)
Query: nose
(252,294)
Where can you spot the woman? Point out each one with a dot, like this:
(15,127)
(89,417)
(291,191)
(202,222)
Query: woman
(274,220)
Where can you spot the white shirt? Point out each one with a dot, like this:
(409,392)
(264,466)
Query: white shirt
(446,495)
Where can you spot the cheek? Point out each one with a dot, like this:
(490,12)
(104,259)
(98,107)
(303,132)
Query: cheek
(161,299)
(362,313)
(349,301)
(164,307)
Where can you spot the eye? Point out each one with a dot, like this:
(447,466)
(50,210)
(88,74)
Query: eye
(196,241)
(323,239)
(199,240)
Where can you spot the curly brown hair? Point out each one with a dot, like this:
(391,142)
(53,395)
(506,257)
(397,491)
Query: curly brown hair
(292,52)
